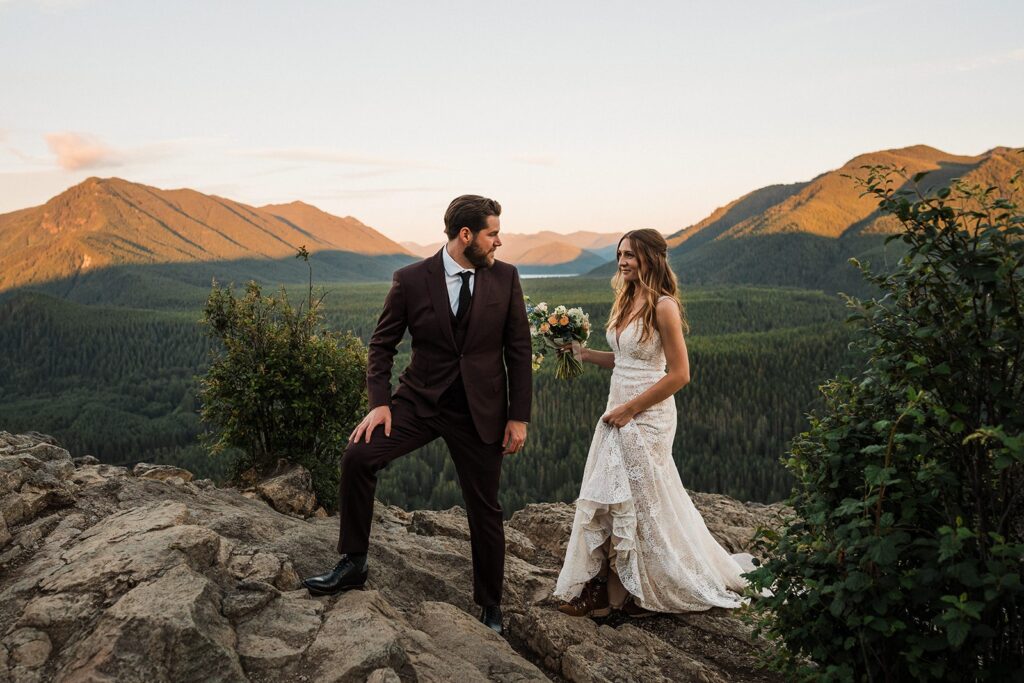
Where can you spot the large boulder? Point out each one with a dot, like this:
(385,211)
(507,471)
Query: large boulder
(547,525)
(34,482)
(136,578)
(161,472)
(290,492)
(168,628)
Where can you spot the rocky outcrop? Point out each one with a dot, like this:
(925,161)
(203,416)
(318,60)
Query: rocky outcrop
(287,488)
(163,472)
(110,575)
(290,492)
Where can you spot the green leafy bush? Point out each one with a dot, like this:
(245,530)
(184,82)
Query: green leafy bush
(904,559)
(281,386)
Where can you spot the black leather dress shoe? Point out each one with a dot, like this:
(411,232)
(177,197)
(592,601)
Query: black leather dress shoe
(349,573)
(491,617)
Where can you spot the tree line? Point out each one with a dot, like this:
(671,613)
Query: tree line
(119,383)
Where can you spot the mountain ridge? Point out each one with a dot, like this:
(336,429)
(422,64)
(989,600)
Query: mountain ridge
(544,248)
(803,234)
(797,234)
(831,203)
(105,222)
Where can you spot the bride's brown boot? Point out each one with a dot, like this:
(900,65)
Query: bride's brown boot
(592,601)
(631,609)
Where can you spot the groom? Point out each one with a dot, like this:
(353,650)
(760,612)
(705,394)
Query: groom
(468,382)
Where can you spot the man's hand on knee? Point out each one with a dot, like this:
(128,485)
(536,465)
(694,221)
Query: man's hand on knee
(381,415)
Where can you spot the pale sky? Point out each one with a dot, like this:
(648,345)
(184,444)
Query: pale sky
(574,115)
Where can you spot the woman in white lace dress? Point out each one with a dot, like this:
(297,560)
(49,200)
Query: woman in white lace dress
(638,543)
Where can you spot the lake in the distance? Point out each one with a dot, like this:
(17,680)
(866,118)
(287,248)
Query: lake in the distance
(533,276)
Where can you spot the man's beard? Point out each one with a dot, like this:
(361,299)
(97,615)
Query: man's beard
(477,256)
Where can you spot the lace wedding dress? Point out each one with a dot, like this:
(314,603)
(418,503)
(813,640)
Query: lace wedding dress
(659,546)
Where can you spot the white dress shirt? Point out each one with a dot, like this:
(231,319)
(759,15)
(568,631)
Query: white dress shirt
(454,280)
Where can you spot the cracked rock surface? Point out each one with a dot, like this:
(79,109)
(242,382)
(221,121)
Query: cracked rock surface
(110,574)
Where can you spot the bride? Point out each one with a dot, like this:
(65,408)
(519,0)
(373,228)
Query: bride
(638,543)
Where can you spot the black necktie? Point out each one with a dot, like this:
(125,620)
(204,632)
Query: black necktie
(464,296)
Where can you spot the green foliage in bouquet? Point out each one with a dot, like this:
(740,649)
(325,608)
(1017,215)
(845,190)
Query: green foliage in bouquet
(904,559)
(281,386)
(551,330)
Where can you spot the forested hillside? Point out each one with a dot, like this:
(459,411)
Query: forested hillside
(118,382)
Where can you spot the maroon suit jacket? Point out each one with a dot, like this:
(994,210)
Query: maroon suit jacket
(496,356)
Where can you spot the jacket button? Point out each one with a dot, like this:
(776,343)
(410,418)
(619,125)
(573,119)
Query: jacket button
(460,355)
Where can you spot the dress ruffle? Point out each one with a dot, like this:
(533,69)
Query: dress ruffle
(597,523)
(604,511)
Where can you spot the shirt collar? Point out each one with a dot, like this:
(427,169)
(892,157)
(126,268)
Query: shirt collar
(451,268)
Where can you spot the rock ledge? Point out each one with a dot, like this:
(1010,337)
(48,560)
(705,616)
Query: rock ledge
(107,574)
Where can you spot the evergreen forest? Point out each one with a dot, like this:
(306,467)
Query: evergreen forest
(119,382)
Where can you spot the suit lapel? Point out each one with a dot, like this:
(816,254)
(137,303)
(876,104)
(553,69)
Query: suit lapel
(437,288)
(481,285)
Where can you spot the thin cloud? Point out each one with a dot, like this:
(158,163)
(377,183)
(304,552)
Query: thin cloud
(28,158)
(840,15)
(370,173)
(7,143)
(274,171)
(305,154)
(164,149)
(375,192)
(535,160)
(75,152)
(993,60)
(52,6)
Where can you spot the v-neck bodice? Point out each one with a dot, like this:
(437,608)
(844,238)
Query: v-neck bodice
(633,357)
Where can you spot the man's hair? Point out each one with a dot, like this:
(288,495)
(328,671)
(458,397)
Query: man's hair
(469,211)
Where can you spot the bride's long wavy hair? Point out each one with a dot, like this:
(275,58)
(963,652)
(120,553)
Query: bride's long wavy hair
(654,280)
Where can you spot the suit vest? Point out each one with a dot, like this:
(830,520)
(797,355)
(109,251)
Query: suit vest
(455,394)
(459,328)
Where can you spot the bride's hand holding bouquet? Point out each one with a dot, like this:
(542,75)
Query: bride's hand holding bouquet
(557,329)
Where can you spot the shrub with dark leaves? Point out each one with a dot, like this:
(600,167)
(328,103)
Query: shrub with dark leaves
(904,559)
(280,385)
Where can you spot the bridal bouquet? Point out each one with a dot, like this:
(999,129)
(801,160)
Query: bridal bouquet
(553,329)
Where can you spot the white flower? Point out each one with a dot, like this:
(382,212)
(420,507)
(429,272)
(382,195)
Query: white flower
(542,307)
(560,310)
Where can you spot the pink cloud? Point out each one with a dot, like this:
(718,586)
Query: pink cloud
(76,151)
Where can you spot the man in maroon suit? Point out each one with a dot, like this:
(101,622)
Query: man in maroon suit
(468,382)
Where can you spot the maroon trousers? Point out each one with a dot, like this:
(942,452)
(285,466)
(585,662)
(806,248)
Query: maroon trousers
(478,465)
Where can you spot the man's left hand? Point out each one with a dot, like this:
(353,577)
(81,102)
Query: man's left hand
(515,437)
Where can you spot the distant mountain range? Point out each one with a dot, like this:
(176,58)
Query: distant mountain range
(112,235)
(108,233)
(803,234)
(547,252)
(104,224)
